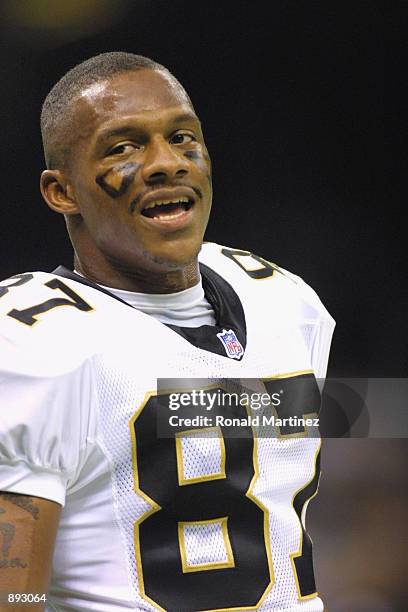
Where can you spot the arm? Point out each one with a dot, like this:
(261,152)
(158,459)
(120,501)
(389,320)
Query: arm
(28,526)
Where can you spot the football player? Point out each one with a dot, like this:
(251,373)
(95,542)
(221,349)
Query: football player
(98,511)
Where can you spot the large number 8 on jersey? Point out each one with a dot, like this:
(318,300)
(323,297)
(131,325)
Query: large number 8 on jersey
(224,504)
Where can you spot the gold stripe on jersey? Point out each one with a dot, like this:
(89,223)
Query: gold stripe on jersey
(298,553)
(154,506)
(288,374)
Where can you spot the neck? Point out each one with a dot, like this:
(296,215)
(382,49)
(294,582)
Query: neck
(140,272)
(142,281)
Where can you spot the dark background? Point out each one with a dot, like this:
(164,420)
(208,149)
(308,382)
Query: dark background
(292,101)
(291,96)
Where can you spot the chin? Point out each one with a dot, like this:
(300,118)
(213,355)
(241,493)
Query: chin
(176,254)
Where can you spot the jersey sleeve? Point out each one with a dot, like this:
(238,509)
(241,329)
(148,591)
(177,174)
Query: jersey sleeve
(45,422)
(300,301)
(323,326)
(320,348)
(318,325)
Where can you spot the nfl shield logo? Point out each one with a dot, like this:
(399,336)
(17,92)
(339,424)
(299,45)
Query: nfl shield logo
(232,345)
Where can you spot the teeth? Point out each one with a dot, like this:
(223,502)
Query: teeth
(171,216)
(182,200)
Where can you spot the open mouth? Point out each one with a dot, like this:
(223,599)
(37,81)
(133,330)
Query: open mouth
(168,209)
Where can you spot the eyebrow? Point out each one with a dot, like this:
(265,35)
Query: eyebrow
(120,131)
(184,117)
(127,129)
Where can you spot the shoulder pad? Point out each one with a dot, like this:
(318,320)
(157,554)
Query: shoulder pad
(41,320)
(237,261)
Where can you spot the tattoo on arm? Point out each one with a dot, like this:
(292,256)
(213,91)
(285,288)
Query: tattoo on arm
(22,501)
(7,532)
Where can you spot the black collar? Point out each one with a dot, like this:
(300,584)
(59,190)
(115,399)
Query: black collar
(229,313)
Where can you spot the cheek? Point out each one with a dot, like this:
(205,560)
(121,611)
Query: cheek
(193,155)
(202,160)
(116,181)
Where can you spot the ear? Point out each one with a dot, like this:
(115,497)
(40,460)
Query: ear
(57,193)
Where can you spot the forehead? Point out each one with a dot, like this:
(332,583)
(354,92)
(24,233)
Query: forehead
(142,92)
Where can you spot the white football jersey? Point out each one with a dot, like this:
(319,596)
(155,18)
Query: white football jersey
(178,523)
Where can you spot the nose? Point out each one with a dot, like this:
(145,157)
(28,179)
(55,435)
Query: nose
(163,162)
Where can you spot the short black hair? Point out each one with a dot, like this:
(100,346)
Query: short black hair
(70,86)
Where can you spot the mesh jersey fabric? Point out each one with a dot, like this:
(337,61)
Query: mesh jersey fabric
(79,384)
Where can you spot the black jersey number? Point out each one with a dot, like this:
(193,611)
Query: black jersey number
(18,280)
(302,399)
(246,575)
(256,267)
(28,316)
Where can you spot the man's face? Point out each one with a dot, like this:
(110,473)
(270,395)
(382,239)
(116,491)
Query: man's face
(140,172)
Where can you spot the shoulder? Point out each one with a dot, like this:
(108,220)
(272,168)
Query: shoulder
(44,320)
(250,273)
(236,262)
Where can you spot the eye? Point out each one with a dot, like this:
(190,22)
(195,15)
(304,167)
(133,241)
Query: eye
(122,148)
(182,138)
